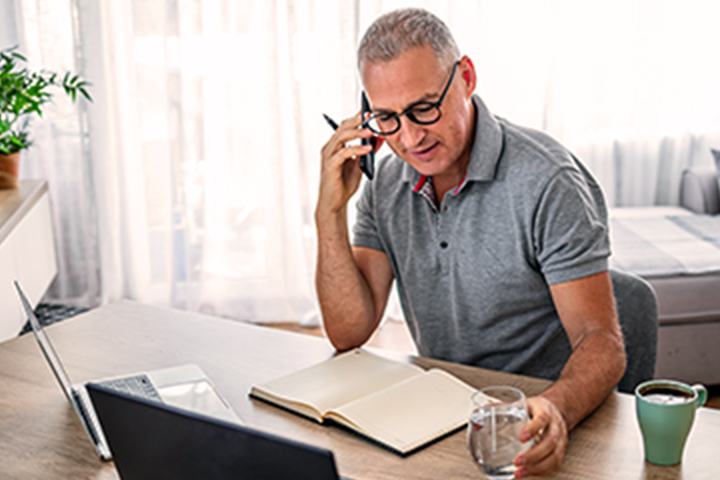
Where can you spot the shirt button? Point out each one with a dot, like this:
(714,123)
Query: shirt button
(443,244)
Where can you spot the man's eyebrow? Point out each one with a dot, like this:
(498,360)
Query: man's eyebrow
(425,98)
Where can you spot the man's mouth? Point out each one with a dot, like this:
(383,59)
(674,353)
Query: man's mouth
(425,153)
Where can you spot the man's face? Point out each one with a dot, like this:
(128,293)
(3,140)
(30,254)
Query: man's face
(442,148)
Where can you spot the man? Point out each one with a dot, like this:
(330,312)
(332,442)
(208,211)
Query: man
(495,235)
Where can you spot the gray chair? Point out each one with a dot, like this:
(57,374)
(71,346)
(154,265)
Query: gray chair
(638,315)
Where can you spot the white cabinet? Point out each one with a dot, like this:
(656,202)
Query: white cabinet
(9,306)
(27,251)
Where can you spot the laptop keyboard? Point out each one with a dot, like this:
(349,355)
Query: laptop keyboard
(138,386)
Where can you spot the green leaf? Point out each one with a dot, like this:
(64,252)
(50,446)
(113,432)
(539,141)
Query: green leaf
(85,94)
(23,94)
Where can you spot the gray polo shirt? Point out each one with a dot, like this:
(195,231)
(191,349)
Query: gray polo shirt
(473,273)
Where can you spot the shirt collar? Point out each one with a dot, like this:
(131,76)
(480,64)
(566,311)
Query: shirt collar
(488,145)
(485,153)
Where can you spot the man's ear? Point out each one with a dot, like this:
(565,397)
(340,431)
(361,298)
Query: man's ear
(468,74)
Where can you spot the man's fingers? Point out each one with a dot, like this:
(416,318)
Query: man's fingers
(538,421)
(549,458)
(546,425)
(346,132)
(351,122)
(354,151)
(342,137)
(348,153)
(547,445)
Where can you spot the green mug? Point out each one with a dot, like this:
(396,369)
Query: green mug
(665,412)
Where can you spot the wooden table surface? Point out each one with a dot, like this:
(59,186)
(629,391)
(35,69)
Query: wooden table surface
(40,437)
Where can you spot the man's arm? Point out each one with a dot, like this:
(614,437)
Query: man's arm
(586,309)
(352,284)
(353,287)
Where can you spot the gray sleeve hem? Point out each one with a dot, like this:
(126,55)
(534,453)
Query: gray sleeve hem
(368,241)
(578,271)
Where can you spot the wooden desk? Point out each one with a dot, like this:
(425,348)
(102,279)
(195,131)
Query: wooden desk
(40,436)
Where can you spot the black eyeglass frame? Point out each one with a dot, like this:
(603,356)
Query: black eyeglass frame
(408,110)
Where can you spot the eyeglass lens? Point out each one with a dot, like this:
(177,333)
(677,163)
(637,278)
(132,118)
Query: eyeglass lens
(424,113)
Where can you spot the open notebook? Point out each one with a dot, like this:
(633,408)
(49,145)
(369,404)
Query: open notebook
(399,405)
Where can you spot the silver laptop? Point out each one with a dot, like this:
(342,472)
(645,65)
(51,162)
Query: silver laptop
(185,387)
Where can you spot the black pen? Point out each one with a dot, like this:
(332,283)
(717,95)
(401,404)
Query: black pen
(331,122)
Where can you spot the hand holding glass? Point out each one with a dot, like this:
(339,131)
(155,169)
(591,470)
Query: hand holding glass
(494,430)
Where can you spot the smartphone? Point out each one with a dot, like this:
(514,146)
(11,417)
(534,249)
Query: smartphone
(367,162)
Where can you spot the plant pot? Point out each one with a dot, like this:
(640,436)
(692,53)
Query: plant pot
(9,168)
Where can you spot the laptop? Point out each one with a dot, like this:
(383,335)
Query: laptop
(183,386)
(150,440)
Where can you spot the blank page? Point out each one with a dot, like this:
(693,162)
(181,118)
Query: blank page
(342,379)
(413,412)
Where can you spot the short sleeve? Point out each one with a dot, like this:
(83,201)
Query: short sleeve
(365,230)
(571,234)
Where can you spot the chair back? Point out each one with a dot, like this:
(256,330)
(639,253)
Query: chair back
(637,311)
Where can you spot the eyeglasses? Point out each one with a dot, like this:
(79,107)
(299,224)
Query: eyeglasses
(423,113)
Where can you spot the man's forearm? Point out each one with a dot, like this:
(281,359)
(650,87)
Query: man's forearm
(344,295)
(590,374)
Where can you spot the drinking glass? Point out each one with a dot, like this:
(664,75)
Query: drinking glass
(498,416)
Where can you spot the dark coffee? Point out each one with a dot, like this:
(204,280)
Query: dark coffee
(666,395)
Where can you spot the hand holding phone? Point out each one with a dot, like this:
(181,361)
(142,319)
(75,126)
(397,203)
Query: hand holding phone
(367,162)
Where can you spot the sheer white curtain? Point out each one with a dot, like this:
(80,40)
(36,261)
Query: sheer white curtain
(196,183)
(191,179)
(212,109)
(45,32)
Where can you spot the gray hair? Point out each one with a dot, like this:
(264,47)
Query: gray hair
(398,31)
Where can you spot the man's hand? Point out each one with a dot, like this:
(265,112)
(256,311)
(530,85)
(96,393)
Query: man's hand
(548,427)
(340,171)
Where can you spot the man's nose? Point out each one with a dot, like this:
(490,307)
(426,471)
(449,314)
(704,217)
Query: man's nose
(411,133)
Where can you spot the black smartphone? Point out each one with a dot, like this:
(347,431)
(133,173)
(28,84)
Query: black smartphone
(367,162)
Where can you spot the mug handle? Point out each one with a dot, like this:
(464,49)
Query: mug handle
(701,394)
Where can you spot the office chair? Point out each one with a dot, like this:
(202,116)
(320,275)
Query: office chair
(638,315)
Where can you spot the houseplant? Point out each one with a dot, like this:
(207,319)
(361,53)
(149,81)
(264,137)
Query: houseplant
(22,95)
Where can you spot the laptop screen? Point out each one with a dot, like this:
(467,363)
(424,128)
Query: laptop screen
(152,440)
(46,346)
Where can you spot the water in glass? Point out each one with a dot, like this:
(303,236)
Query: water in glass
(494,431)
